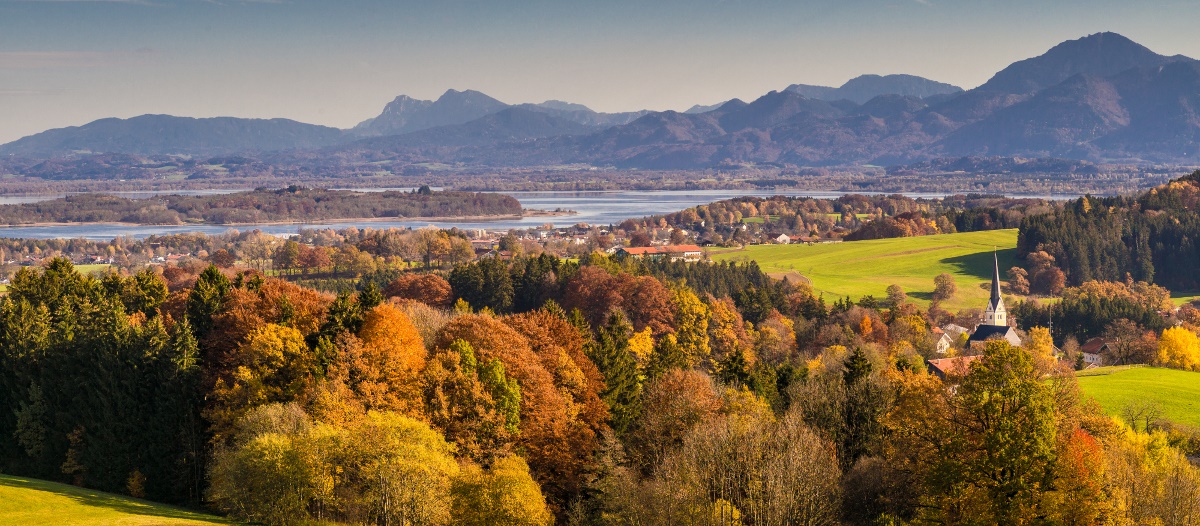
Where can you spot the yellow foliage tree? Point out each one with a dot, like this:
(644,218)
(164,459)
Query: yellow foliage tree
(1179,348)
(505,495)
(395,355)
(1041,348)
(641,344)
(272,365)
(400,468)
(691,326)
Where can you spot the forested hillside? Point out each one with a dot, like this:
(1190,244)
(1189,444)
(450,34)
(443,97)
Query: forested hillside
(1151,237)
(540,390)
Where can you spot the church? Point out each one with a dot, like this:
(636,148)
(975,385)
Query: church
(995,318)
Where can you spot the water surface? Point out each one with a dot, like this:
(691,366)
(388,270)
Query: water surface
(596,208)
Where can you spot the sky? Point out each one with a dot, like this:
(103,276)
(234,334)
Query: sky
(68,62)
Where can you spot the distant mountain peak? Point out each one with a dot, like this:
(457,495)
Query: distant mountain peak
(562,106)
(469,96)
(1100,54)
(863,88)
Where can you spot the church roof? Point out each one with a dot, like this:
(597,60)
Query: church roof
(987,332)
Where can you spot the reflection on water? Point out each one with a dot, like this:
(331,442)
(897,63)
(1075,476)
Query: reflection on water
(597,208)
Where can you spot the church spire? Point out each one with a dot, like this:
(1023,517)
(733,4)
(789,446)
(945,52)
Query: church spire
(995,299)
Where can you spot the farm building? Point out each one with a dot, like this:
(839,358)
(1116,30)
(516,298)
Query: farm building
(674,252)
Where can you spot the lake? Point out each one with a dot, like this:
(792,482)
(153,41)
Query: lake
(597,208)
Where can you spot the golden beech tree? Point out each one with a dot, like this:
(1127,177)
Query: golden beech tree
(395,355)
(273,365)
(641,344)
(504,495)
(1041,349)
(1179,348)
(727,331)
(691,327)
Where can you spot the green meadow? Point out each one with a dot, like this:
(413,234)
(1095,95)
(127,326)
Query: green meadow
(38,502)
(859,268)
(1176,392)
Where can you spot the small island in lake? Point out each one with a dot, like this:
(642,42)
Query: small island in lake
(262,205)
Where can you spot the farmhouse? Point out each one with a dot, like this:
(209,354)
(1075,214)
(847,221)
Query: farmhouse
(957,367)
(954,331)
(995,318)
(943,342)
(1094,351)
(674,252)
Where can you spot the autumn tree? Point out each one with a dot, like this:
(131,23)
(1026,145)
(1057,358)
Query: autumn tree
(1129,343)
(395,355)
(1179,348)
(477,410)
(273,365)
(896,295)
(505,494)
(558,444)
(594,292)
(1018,281)
(691,327)
(673,405)
(944,287)
(430,289)
(563,350)
(1005,443)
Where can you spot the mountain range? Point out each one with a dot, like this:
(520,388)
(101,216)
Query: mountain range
(1102,97)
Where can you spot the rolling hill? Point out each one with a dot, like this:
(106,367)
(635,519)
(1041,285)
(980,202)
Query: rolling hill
(38,502)
(1177,393)
(859,268)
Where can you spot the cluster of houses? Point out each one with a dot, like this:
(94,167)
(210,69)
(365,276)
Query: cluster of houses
(487,244)
(993,326)
(1095,352)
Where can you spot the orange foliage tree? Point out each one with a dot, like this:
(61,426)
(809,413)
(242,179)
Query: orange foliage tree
(559,444)
(430,289)
(394,355)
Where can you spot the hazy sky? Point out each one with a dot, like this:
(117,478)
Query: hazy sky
(68,62)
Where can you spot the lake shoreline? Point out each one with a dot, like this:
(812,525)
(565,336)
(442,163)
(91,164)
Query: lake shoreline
(444,219)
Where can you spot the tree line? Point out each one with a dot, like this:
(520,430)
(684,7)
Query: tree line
(1150,237)
(293,203)
(539,390)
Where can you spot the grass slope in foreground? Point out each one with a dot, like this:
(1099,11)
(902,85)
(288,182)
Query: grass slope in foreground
(34,502)
(859,268)
(1177,392)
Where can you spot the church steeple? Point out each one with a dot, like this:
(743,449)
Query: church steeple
(995,281)
(995,313)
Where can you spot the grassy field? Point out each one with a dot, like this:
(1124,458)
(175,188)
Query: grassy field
(33,502)
(1179,298)
(92,268)
(859,268)
(1177,392)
